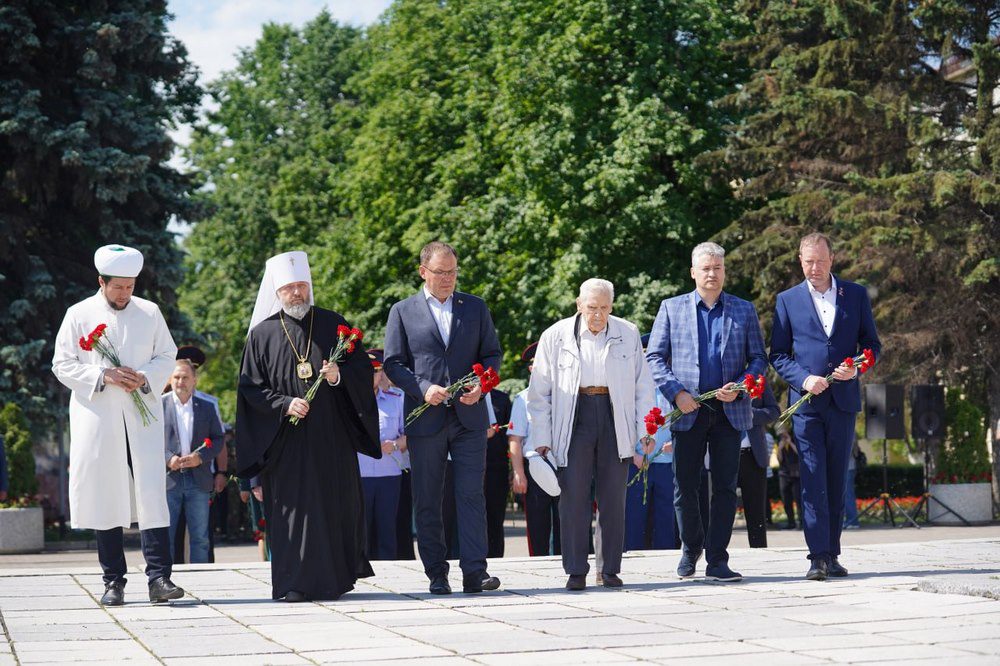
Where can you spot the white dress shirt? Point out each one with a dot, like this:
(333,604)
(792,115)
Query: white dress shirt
(825,304)
(185,422)
(592,371)
(441,313)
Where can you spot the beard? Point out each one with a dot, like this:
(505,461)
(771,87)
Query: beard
(115,306)
(297,311)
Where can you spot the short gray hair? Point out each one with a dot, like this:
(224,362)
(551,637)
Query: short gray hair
(186,362)
(597,284)
(707,249)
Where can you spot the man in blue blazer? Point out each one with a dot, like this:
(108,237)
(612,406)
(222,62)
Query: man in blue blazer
(702,341)
(432,339)
(817,325)
(189,421)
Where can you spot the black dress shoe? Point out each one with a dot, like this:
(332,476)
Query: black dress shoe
(161,590)
(611,580)
(439,585)
(818,570)
(484,582)
(835,569)
(294,597)
(576,583)
(686,567)
(114,593)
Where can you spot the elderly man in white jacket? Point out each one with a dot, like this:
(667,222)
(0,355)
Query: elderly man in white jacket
(589,393)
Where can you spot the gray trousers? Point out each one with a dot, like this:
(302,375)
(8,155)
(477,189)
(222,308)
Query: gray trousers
(592,458)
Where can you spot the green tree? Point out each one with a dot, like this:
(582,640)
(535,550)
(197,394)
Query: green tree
(269,156)
(548,141)
(849,129)
(964,457)
(87,93)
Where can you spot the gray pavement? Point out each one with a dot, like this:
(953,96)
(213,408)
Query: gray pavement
(880,614)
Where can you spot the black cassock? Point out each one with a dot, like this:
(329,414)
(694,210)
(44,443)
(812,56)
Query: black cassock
(313,503)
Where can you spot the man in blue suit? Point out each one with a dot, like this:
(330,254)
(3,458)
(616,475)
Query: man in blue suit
(432,339)
(817,325)
(702,341)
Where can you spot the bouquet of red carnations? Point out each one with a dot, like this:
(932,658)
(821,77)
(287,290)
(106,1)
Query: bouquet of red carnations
(753,387)
(863,361)
(347,338)
(486,378)
(97,341)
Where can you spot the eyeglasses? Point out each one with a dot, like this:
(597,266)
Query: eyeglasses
(451,273)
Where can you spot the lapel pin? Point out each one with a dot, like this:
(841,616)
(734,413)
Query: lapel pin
(840,291)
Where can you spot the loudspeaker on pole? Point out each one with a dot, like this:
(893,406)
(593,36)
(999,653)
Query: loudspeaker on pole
(884,412)
(927,417)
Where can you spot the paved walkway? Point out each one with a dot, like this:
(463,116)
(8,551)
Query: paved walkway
(878,614)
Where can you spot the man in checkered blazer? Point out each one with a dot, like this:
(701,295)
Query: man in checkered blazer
(702,341)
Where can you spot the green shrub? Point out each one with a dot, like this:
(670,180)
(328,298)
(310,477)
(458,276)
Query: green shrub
(20,458)
(964,457)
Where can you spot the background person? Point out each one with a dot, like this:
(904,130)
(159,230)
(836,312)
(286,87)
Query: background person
(189,421)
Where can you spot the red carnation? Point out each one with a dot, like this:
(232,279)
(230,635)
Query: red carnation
(86,344)
(357,334)
(849,362)
(207,443)
(343,331)
(478,369)
(261,523)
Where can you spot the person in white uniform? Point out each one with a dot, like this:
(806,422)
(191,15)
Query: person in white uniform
(116,471)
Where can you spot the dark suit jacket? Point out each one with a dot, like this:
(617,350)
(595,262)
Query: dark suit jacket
(800,347)
(416,357)
(765,410)
(205,426)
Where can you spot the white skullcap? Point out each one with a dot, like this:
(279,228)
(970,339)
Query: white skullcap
(118,261)
(279,270)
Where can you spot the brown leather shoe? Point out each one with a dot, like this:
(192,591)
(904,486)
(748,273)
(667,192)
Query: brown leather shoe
(612,580)
(576,583)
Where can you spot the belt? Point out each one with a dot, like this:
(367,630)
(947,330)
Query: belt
(594,390)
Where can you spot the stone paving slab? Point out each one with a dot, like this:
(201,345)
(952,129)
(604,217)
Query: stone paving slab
(886,611)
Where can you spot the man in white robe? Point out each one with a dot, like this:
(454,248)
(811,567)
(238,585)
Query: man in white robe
(116,470)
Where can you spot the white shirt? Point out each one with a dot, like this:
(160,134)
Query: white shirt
(592,371)
(185,422)
(825,304)
(441,313)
